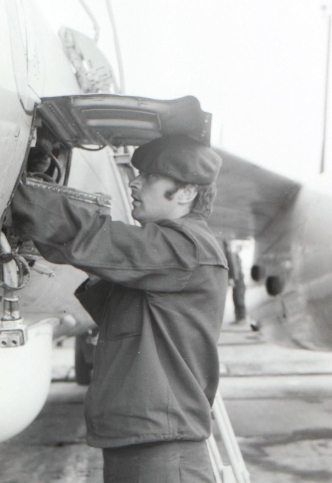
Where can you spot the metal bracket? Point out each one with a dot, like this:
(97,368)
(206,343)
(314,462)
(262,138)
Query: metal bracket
(13,333)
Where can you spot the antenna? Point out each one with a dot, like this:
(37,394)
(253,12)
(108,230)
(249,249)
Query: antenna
(117,47)
(327,8)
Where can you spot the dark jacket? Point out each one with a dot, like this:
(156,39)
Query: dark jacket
(156,367)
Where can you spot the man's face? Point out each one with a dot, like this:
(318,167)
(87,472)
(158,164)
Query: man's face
(150,203)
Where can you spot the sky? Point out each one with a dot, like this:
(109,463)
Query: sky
(259,66)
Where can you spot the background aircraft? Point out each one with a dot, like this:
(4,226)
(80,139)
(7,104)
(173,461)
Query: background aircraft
(54,122)
(290,293)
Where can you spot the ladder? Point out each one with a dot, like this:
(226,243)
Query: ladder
(236,472)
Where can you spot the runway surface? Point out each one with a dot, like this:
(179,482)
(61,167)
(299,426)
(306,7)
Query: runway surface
(279,401)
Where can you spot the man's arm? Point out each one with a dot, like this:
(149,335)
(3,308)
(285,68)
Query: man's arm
(150,258)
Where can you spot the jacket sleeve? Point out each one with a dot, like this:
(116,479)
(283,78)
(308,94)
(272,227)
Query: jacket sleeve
(93,296)
(150,258)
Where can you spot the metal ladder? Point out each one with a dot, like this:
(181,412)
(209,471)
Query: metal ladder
(236,472)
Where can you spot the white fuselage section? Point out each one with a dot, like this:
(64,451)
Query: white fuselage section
(34,65)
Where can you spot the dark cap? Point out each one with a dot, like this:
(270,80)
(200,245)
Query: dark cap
(179,157)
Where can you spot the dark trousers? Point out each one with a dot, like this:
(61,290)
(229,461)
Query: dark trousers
(171,462)
(239,290)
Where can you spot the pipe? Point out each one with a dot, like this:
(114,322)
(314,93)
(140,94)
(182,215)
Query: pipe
(93,19)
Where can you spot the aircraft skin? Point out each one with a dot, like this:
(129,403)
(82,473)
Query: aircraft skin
(33,65)
(24,371)
(290,223)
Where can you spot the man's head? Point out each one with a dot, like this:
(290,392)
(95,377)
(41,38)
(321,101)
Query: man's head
(177,176)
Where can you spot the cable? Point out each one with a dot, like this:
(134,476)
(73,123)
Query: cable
(57,165)
(55,161)
(44,176)
(93,19)
(117,47)
(23,273)
(91,149)
(68,166)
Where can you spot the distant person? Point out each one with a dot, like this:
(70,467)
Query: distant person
(159,306)
(236,280)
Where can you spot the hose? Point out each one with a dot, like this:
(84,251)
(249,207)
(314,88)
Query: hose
(14,278)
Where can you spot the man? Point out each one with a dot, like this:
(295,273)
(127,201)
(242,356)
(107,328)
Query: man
(159,306)
(236,278)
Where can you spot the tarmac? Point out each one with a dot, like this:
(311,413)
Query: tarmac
(243,352)
(279,400)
